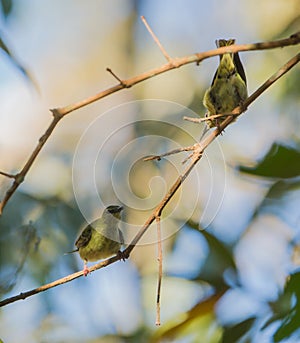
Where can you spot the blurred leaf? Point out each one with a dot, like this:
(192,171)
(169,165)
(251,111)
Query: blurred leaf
(279,198)
(204,307)
(289,326)
(141,335)
(26,239)
(290,28)
(7,6)
(233,333)
(200,320)
(219,260)
(36,246)
(290,90)
(287,309)
(280,162)
(16,63)
(280,188)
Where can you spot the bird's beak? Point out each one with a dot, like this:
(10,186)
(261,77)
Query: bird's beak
(115,210)
(118,211)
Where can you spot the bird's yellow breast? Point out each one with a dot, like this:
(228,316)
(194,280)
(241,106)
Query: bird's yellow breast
(99,247)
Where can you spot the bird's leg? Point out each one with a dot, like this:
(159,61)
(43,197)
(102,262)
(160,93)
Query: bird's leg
(86,270)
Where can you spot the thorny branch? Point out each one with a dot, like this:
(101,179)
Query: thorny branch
(197,149)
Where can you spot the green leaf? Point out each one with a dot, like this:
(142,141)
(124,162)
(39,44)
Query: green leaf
(233,333)
(7,6)
(203,327)
(289,326)
(280,162)
(286,310)
(219,260)
(278,200)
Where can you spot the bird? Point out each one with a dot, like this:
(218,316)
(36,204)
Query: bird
(102,238)
(228,88)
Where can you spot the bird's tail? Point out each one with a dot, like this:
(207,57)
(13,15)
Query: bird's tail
(71,252)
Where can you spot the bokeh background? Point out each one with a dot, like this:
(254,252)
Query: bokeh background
(230,235)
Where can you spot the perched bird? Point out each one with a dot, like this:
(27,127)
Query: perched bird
(229,85)
(102,238)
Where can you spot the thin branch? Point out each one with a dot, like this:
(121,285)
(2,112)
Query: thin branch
(114,75)
(172,152)
(208,118)
(159,259)
(194,120)
(11,176)
(156,40)
(196,156)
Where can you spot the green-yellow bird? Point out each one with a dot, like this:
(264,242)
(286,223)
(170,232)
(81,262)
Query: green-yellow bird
(102,238)
(229,85)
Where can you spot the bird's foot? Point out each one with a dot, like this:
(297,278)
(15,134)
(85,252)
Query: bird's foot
(86,270)
(121,255)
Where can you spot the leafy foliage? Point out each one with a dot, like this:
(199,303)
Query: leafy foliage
(280,162)
(287,310)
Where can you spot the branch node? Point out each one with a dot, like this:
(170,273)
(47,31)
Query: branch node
(19,178)
(57,114)
(152,158)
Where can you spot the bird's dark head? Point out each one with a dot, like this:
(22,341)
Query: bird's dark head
(114,210)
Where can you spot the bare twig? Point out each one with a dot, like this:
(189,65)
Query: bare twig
(11,176)
(208,118)
(115,75)
(172,152)
(193,120)
(159,258)
(156,40)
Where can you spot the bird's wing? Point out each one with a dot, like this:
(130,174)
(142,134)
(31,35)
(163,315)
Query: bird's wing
(99,225)
(84,238)
(239,67)
(70,252)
